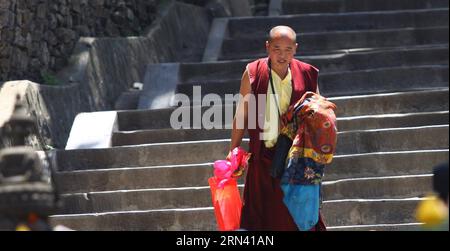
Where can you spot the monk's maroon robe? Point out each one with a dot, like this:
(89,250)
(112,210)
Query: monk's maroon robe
(263,208)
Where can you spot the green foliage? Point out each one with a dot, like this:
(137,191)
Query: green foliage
(49,79)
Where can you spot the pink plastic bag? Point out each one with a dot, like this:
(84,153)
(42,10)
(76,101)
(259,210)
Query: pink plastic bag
(224,170)
(224,191)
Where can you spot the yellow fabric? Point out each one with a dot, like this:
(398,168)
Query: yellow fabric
(283,90)
(320,158)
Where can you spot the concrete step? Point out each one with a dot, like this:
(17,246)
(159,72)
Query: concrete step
(377,104)
(379,187)
(390,103)
(392,121)
(343,167)
(260,26)
(339,6)
(398,139)
(172,198)
(168,135)
(320,42)
(196,73)
(175,153)
(380,58)
(344,124)
(368,212)
(379,227)
(381,80)
(199,219)
(384,164)
(337,213)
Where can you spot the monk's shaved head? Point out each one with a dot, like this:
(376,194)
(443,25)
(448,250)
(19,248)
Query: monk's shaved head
(281,48)
(282,32)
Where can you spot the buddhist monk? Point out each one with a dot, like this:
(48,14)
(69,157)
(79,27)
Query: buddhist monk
(263,208)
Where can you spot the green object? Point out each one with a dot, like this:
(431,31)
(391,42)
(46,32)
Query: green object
(49,79)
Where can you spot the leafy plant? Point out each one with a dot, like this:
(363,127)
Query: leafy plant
(49,79)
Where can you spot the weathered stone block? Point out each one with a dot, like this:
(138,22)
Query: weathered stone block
(19,40)
(6,18)
(44,55)
(97,2)
(42,11)
(52,21)
(7,35)
(20,60)
(5,4)
(29,42)
(83,30)
(65,35)
(76,6)
(5,66)
(34,63)
(5,50)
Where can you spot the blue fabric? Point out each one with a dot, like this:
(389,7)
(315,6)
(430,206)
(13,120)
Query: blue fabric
(302,202)
(304,171)
(301,183)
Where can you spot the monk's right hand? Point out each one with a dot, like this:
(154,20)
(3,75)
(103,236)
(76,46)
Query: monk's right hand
(228,156)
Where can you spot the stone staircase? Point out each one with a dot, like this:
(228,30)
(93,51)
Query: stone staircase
(385,65)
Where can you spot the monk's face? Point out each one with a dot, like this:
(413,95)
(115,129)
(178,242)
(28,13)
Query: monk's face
(281,51)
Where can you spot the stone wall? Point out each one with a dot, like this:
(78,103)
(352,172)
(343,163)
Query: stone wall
(37,36)
(100,69)
(236,8)
(224,8)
